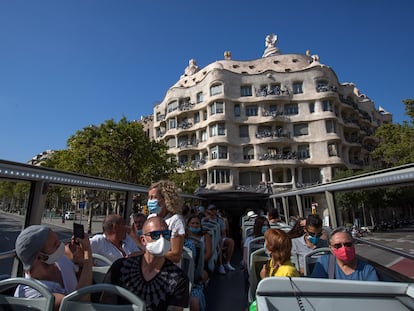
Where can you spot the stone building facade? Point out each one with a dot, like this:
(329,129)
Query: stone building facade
(275,123)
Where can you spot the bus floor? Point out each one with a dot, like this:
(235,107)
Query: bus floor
(228,292)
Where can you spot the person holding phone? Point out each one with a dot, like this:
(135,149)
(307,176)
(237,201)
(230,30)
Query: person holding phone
(42,256)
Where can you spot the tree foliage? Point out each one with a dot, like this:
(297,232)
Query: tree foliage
(119,151)
(396,141)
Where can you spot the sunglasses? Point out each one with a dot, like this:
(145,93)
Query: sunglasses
(155,235)
(339,245)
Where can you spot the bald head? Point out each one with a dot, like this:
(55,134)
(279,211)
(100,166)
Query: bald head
(153,224)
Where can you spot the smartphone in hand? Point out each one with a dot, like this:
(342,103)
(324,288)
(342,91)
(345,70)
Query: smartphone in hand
(78,231)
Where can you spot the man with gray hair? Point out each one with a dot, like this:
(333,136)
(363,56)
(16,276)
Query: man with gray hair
(42,256)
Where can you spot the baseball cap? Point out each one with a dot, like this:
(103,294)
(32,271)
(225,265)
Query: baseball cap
(30,242)
(212,206)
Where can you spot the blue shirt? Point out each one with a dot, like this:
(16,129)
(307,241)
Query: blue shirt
(363,271)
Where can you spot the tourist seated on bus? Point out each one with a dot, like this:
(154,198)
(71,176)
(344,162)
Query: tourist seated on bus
(310,240)
(278,246)
(343,263)
(164,201)
(195,232)
(226,245)
(151,276)
(43,259)
(261,224)
(274,217)
(136,223)
(114,242)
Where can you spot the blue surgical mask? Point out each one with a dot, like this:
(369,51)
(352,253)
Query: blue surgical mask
(194,230)
(264,229)
(153,207)
(313,239)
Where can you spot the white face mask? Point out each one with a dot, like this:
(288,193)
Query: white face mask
(56,255)
(159,247)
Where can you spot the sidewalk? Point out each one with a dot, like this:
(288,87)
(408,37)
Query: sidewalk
(68,224)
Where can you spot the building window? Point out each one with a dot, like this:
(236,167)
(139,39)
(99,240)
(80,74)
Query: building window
(203,135)
(216,107)
(237,110)
(219,176)
(333,150)
(243,131)
(330,126)
(311,175)
(200,97)
(246,90)
(204,115)
(172,124)
(291,109)
(322,86)
(327,106)
(300,129)
(172,106)
(216,89)
(303,152)
(219,152)
(297,88)
(275,89)
(248,153)
(197,117)
(171,143)
(311,107)
(252,110)
(217,129)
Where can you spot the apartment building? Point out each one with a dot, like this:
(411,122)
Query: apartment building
(270,124)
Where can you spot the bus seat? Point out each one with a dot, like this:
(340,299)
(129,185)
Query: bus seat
(254,244)
(9,302)
(199,261)
(72,301)
(312,257)
(100,260)
(257,259)
(301,293)
(187,263)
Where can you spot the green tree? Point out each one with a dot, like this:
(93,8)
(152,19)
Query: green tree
(187,181)
(396,141)
(119,151)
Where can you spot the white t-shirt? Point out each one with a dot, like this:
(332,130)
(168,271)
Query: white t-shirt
(100,245)
(176,224)
(70,282)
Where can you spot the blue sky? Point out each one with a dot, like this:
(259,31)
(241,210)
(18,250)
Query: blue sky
(66,64)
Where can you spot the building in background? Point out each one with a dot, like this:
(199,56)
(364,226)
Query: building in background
(270,124)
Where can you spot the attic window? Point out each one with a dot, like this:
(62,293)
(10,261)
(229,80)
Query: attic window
(294,60)
(244,72)
(287,70)
(276,62)
(251,66)
(235,66)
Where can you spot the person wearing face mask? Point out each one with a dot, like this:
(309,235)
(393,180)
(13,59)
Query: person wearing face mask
(43,259)
(278,247)
(343,263)
(309,241)
(164,201)
(261,224)
(151,276)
